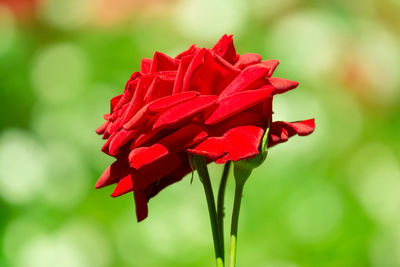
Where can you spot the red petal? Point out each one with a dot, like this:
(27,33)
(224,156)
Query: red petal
(130,88)
(238,143)
(114,101)
(181,72)
(185,137)
(102,128)
(121,138)
(250,75)
(247,60)
(240,119)
(153,172)
(183,111)
(213,147)
(165,103)
(236,103)
(282,85)
(208,74)
(305,127)
(140,205)
(115,172)
(160,87)
(136,119)
(137,99)
(281,131)
(271,64)
(192,49)
(225,49)
(142,156)
(145,65)
(162,62)
(106,145)
(124,186)
(147,175)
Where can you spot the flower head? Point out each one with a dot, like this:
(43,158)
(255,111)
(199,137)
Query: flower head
(209,102)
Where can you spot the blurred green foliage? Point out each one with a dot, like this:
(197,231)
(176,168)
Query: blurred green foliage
(329,200)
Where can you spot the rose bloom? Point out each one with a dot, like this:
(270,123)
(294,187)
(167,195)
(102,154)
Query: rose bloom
(209,102)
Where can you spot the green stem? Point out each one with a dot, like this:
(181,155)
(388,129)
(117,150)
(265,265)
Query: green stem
(201,167)
(234,223)
(220,203)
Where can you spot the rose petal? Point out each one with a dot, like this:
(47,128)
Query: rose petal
(102,128)
(184,137)
(208,74)
(124,186)
(183,111)
(225,49)
(247,60)
(248,77)
(162,62)
(181,72)
(137,118)
(115,172)
(271,64)
(160,87)
(147,175)
(165,103)
(281,131)
(140,205)
(138,98)
(120,139)
(282,85)
(236,103)
(238,143)
(145,65)
(192,49)
(240,119)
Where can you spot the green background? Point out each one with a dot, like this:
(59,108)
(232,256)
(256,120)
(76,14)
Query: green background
(330,199)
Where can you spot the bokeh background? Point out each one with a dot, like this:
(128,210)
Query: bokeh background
(331,199)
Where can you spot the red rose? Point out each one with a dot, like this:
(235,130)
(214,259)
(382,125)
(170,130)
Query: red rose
(210,102)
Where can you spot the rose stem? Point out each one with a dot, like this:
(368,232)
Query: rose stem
(241,176)
(220,203)
(234,224)
(201,167)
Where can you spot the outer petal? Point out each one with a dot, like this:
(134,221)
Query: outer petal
(282,85)
(238,143)
(145,65)
(147,175)
(178,140)
(281,131)
(236,103)
(114,101)
(248,77)
(225,49)
(115,172)
(167,102)
(160,87)
(162,62)
(247,60)
(183,111)
(120,139)
(181,72)
(140,205)
(192,49)
(208,74)
(271,64)
(137,118)
(138,98)
(153,189)
(102,128)
(241,119)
